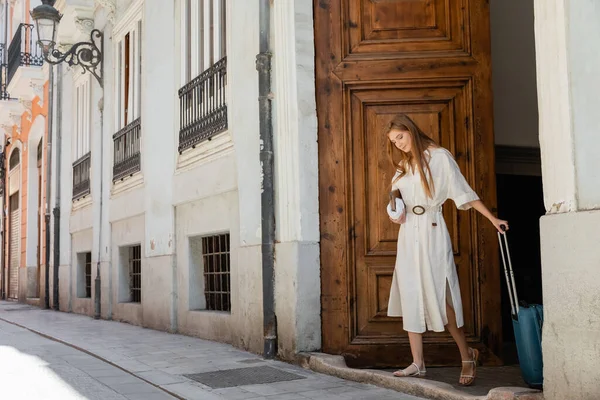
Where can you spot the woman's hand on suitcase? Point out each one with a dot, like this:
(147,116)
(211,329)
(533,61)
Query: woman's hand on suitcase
(500,224)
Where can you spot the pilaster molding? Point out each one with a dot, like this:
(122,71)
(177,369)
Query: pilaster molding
(111,8)
(84,25)
(296,126)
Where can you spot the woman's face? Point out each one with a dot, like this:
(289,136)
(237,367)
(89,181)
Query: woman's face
(401,139)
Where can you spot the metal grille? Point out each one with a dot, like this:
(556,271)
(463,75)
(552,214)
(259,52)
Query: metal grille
(88,275)
(127,158)
(135,273)
(15,236)
(243,376)
(203,106)
(216,260)
(3,73)
(23,51)
(81,176)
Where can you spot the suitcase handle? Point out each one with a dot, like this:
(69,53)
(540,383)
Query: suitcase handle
(508,272)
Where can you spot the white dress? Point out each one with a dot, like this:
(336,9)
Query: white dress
(425,275)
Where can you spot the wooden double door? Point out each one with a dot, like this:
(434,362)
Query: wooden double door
(429,59)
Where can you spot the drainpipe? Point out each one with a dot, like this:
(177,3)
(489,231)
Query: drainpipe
(48,183)
(56,211)
(263,66)
(4,206)
(97,281)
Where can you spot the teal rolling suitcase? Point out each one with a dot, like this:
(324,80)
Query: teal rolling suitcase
(527,323)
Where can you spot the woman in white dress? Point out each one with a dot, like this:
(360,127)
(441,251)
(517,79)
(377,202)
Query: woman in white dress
(425,290)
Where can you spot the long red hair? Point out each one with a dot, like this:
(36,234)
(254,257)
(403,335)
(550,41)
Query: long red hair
(416,158)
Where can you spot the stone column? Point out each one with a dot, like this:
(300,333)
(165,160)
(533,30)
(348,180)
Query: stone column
(568,70)
(297,271)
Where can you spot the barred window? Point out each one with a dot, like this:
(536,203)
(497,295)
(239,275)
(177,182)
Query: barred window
(135,273)
(84,275)
(210,278)
(88,275)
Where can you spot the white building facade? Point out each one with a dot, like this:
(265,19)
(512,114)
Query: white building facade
(160,178)
(157,171)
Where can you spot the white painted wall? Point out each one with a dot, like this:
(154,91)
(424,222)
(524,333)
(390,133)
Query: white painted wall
(514,73)
(38,128)
(81,243)
(584,68)
(568,95)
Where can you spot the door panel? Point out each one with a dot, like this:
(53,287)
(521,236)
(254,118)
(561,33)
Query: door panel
(408,26)
(430,60)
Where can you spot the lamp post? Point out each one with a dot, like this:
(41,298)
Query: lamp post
(88,55)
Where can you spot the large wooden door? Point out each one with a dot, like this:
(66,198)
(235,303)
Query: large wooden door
(429,59)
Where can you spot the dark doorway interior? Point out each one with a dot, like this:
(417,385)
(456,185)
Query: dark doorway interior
(520,201)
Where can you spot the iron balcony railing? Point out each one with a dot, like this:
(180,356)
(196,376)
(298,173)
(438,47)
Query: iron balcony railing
(127,157)
(81,176)
(23,51)
(203,106)
(3,75)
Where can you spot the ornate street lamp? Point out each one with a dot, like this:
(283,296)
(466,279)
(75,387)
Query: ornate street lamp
(85,54)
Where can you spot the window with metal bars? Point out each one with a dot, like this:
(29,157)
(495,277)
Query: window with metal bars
(135,274)
(88,275)
(211,274)
(84,275)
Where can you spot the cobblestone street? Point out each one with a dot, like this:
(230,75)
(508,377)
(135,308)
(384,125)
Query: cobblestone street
(52,355)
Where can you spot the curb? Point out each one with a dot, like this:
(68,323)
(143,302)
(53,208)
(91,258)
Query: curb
(336,366)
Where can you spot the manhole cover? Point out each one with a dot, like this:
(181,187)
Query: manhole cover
(243,377)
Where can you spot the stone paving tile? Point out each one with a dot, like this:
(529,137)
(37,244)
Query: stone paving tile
(161,378)
(158,395)
(191,391)
(235,393)
(133,388)
(119,380)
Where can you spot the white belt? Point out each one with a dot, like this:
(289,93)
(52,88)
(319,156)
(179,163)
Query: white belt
(420,210)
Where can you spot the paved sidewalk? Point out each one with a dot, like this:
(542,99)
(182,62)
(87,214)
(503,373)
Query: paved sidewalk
(36,368)
(154,363)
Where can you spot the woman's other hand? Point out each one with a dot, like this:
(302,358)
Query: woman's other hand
(400,220)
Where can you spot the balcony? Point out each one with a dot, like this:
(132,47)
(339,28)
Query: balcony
(203,106)
(81,177)
(23,51)
(127,157)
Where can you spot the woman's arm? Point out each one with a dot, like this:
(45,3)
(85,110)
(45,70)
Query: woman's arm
(479,206)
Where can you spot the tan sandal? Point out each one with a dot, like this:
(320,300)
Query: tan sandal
(474,361)
(419,373)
